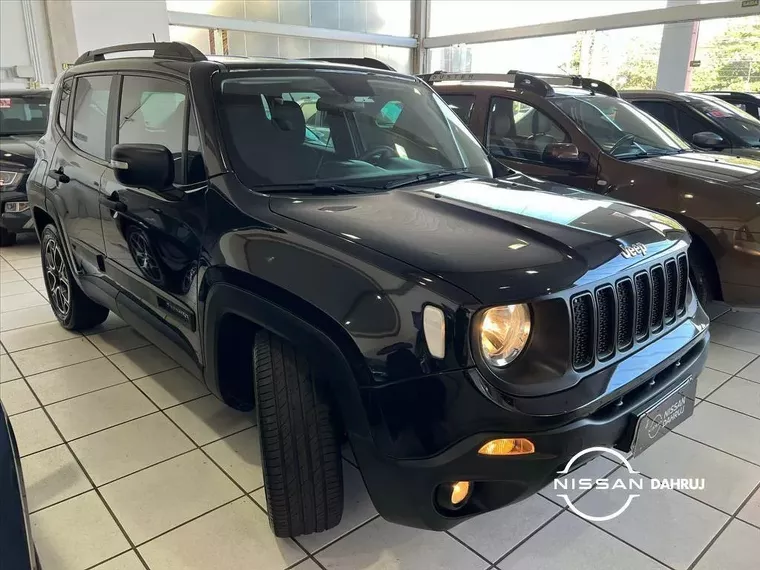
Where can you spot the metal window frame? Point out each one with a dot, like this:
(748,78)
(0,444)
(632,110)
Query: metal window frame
(208,21)
(667,15)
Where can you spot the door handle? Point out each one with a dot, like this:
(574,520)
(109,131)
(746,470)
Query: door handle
(59,176)
(113,205)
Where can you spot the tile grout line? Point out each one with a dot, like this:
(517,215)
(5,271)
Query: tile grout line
(745,414)
(717,448)
(722,529)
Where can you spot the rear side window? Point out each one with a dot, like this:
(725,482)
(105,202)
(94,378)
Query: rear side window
(88,131)
(461,104)
(63,105)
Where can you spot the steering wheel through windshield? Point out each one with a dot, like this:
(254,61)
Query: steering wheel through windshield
(378,154)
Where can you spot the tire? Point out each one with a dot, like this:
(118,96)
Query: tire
(6,237)
(300,444)
(701,275)
(73,309)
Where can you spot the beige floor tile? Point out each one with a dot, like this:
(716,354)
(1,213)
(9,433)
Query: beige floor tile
(752,371)
(118,340)
(129,447)
(570,543)
(126,561)
(32,272)
(22,301)
(307,564)
(666,524)
(34,432)
(740,395)
(21,251)
(737,548)
(741,339)
(14,288)
(52,476)
(2,349)
(113,321)
(728,360)
(17,397)
(208,419)
(75,380)
(494,534)
(171,387)
(742,319)
(751,511)
(9,276)
(709,381)
(674,457)
(26,263)
(166,495)
(26,317)
(76,534)
(240,456)
(380,545)
(8,370)
(39,285)
(724,429)
(99,410)
(37,335)
(50,356)
(142,362)
(230,538)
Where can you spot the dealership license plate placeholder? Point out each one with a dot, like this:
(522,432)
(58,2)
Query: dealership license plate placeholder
(663,416)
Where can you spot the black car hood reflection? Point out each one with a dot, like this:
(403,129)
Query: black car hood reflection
(18,149)
(517,238)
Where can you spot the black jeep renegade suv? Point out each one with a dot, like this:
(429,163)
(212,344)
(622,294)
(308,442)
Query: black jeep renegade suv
(366,277)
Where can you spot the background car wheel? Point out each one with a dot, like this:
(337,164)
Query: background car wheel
(702,277)
(74,310)
(6,237)
(300,446)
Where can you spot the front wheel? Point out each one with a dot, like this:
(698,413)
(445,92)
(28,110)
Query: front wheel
(73,309)
(300,445)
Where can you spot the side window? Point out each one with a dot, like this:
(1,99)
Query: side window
(663,112)
(517,130)
(462,105)
(90,112)
(688,124)
(63,102)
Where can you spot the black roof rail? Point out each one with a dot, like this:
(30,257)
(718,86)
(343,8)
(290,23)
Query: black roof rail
(521,80)
(161,50)
(593,85)
(361,61)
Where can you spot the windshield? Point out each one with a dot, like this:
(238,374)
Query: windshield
(739,123)
(619,128)
(24,115)
(359,129)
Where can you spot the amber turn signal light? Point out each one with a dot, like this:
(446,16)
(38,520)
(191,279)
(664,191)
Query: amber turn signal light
(508,446)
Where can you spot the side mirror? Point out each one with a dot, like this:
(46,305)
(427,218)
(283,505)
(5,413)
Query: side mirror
(564,154)
(149,166)
(707,139)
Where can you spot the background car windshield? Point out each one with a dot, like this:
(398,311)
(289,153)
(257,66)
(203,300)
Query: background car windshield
(619,128)
(23,115)
(352,128)
(739,123)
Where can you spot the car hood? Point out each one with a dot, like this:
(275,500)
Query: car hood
(500,240)
(18,149)
(715,167)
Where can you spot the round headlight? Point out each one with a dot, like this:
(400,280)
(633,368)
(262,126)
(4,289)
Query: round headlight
(504,331)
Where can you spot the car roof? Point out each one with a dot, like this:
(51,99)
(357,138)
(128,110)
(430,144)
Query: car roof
(740,95)
(25,92)
(652,93)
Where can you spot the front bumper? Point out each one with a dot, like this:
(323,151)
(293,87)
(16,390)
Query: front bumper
(16,222)
(404,490)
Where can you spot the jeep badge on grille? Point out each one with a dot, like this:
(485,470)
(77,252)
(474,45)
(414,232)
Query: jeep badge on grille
(633,250)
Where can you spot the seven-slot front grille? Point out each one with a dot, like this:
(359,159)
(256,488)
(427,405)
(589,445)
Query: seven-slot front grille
(616,316)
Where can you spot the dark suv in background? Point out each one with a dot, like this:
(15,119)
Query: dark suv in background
(23,120)
(747,102)
(577,131)
(708,122)
(468,334)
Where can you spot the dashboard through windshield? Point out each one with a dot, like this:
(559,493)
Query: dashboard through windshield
(353,128)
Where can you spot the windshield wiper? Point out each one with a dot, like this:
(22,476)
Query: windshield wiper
(316,188)
(424,177)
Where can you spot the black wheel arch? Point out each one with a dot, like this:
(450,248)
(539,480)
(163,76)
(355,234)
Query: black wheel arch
(232,315)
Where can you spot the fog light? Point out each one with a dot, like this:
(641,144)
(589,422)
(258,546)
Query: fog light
(16,206)
(459,492)
(507,446)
